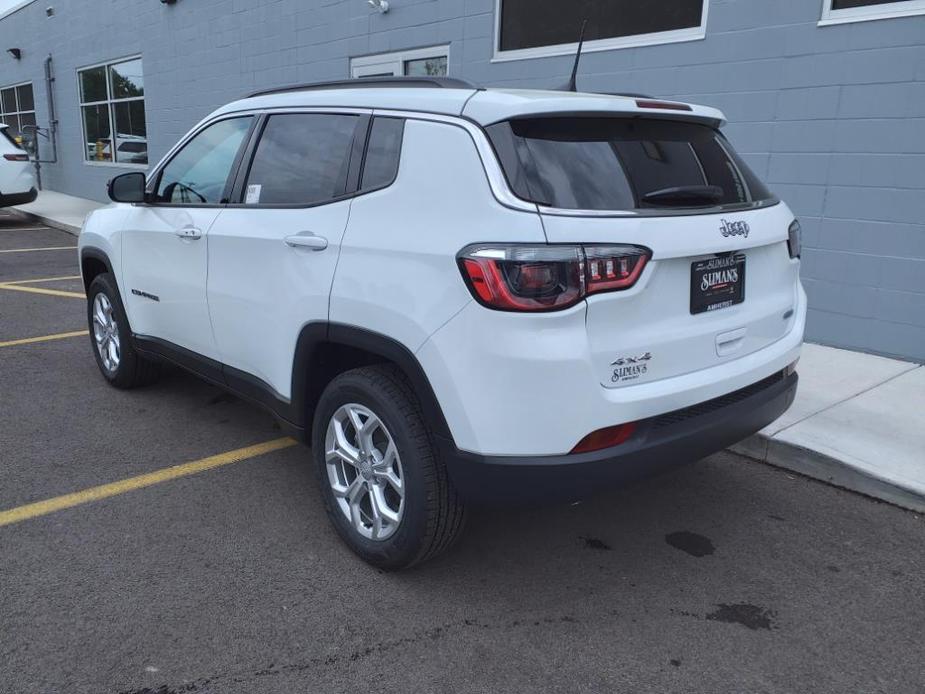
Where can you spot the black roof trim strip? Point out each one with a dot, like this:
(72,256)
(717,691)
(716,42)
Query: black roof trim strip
(372,82)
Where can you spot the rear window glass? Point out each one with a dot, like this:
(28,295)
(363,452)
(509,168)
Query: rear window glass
(302,159)
(9,138)
(622,163)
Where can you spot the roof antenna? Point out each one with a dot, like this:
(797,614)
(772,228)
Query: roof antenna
(572,85)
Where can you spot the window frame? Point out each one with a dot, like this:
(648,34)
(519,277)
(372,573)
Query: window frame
(19,110)
(109,102)
(900,8)
(366,65)
(697,33)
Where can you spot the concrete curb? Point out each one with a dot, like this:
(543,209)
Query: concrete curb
(47,221)
(827,469)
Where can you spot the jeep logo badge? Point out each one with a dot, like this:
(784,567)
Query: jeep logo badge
(734,228)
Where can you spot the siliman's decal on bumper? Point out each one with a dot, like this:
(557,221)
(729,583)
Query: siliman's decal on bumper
(630,368)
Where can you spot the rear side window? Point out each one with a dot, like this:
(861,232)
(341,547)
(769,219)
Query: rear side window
(302,159)
(622,164)
(382,153)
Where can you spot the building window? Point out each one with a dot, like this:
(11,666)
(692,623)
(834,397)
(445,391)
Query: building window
(842,11)
(112,105)
(536,28)
(421,62)
(17,109)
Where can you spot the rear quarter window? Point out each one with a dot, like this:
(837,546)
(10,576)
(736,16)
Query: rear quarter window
(383,151)
(614,163)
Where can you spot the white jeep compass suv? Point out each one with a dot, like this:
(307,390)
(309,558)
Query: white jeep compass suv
(457,295)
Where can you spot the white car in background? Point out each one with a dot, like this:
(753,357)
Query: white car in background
(17,175)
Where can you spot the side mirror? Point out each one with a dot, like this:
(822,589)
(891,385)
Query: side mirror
(127,187)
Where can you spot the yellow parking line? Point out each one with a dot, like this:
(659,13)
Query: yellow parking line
(30,250)
(43,338)
(40,290)
(58,503)
(44,279)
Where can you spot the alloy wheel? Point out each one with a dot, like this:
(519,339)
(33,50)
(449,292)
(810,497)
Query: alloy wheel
(106,333)
(364,471)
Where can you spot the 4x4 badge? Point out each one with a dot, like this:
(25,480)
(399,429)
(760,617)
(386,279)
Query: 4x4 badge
(632,360)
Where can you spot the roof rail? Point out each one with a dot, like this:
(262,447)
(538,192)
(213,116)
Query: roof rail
(367,82)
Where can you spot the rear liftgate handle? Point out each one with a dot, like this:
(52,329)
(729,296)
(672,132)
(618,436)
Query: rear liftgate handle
(306,239)
(727,343)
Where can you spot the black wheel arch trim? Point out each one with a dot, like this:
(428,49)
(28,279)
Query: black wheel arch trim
(295,414)
(96,254)
(315,335)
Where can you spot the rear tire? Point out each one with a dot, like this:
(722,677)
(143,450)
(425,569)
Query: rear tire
(111,338)
(418,518)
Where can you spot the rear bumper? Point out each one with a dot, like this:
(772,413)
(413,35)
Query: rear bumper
(18,198)
(661,442)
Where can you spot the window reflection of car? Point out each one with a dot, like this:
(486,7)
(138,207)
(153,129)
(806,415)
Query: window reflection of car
(130,149)
(133,152)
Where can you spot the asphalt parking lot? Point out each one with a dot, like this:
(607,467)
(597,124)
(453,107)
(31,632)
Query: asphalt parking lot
(122,573)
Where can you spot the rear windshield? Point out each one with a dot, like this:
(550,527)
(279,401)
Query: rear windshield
(10,138)
(591,163)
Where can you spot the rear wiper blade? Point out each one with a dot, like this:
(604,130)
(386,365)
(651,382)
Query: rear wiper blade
(685,195)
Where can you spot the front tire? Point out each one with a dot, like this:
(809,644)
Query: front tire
(111,337)
(382,481)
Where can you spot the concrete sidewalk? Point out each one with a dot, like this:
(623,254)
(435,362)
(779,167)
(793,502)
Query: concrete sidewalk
(58,210)
(858,420)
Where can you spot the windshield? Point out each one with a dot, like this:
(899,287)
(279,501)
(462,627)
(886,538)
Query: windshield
(611,163)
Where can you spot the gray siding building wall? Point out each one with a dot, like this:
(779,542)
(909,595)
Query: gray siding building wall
(832,117)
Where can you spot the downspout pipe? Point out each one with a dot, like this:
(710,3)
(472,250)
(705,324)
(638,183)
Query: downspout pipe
(51,132)
(52,114)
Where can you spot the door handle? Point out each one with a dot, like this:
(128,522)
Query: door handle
(306,239)
(188,232)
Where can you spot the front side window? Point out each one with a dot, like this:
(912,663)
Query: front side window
(531,28)
(839,11)
(112,105)
(198,173)
(17,110)
(612,163)
(302,159)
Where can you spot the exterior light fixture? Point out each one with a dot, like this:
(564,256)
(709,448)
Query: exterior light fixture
(15,52)
(381,5)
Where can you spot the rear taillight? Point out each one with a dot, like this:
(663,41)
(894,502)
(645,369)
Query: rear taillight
(795,240)
(605,438)
(16,157)
(547,277)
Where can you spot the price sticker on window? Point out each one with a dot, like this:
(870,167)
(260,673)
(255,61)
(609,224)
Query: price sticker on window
(252,197)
